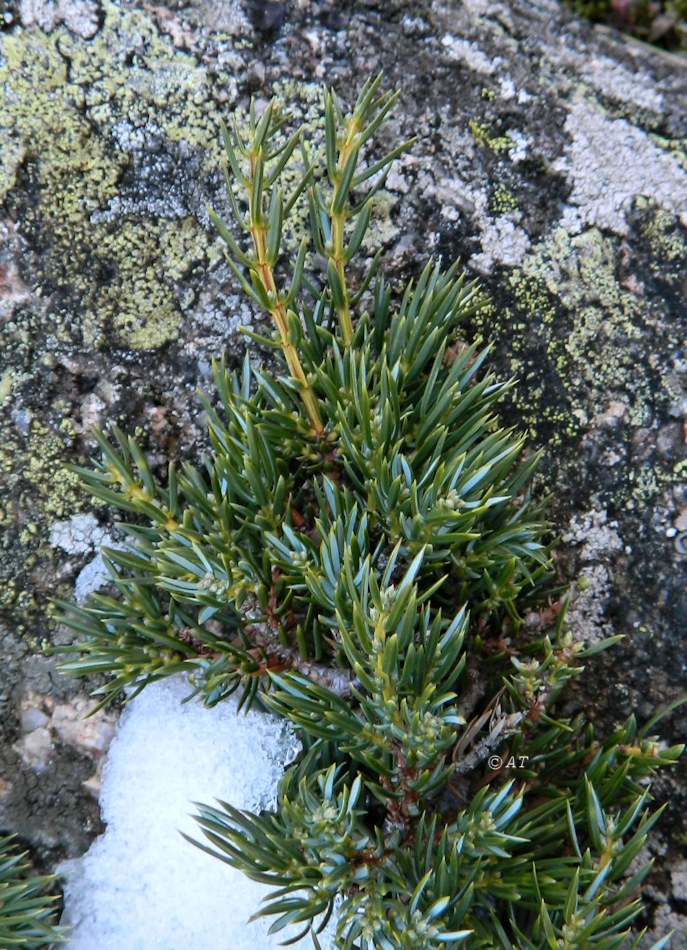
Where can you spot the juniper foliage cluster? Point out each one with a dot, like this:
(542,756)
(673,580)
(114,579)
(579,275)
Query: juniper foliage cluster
(362,556)
(27,909)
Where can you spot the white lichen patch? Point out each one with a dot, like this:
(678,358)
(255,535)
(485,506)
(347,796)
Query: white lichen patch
(92,412)
(594,535)
(613,81)
(225,16)
(78,534)
(219,316)
(521,145)
(597,540)
(462,51)
(618,84)
(503,242)
(611,163)
(92,577)
(678,881)
(79,16)
(666,921)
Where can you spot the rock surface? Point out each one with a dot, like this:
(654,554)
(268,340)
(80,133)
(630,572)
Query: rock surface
(550,157)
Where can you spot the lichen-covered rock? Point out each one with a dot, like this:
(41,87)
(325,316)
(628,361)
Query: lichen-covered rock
(550,157)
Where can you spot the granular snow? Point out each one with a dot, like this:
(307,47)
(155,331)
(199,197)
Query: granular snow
(142,886)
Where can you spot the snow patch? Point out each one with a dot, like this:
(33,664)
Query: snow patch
(142,885)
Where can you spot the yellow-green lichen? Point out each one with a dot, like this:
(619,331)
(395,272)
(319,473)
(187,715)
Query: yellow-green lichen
(595,355)
(579,333)
(648,482)
(38,490)
(6,382)
(502,200)
(667,245)
(676,147)
(78,119)
(36,463)
(484,137)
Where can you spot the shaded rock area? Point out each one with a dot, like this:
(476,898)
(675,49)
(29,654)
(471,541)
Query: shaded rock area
(550,157)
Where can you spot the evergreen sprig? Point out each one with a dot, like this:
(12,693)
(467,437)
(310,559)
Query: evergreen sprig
(27,909)
(363,556)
